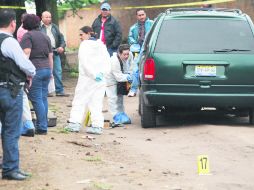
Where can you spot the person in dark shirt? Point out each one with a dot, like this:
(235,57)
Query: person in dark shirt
(108,29)
(58,45)
(37,47)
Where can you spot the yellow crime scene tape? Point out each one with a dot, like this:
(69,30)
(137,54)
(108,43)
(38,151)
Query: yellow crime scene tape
(177,5)
(12,7)
(143,7)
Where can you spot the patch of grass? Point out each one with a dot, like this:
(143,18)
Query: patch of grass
(74,72)
(53,108)
(73,75)
(64,131)
(102,186)
(93,159)
(74,69)
(71,49)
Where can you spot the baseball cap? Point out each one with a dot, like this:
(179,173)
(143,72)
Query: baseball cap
(105,6)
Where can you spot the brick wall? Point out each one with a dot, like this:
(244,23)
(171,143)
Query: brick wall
(70,25)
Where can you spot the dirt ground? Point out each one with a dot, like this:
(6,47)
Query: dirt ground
(133,158)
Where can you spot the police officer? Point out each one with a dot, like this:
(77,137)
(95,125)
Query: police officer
(15,69)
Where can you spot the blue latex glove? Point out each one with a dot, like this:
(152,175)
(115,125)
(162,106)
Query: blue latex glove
(129,78)
(99,77)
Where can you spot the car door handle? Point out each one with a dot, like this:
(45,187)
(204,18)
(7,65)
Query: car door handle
(205,84)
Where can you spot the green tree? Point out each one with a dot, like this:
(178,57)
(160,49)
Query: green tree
(73,5)
(19,12)
(53,6)
(47,5)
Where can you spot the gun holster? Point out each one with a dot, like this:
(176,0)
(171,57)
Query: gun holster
(14,84)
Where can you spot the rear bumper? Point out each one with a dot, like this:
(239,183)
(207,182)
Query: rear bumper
(154,98)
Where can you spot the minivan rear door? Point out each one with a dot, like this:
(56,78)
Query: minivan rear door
(214,54)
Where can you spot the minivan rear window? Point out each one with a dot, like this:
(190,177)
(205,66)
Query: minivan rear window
(204,36)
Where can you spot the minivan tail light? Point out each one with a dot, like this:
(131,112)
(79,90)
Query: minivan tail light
(149,69)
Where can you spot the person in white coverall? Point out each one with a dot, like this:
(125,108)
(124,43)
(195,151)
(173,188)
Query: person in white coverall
(115,101)
(94,64)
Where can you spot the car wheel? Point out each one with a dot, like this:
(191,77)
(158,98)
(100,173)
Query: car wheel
(148,115)
(251,116)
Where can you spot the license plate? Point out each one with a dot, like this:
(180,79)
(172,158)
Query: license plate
(205,70)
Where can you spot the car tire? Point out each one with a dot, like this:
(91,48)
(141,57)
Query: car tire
(251,116)
(148,115)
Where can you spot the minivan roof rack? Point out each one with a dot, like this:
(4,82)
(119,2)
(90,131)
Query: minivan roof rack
(203,9)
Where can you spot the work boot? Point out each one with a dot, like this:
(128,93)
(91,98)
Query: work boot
(94,130)
(73,127)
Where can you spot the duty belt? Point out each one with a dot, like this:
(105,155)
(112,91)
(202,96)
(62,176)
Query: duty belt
(10,83)
(14,88)
(3,83)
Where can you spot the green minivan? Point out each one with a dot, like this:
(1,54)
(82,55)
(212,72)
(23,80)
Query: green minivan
(197,58)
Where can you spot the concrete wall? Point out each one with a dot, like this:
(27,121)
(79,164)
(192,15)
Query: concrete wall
(70,25)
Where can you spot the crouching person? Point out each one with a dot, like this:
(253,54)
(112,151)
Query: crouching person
(94,64)
(121,69)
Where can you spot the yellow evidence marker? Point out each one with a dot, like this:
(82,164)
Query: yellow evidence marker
(203,165)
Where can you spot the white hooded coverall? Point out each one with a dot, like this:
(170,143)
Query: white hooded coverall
(116,75)
(93,59)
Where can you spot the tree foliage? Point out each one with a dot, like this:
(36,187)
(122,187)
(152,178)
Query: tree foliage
(19,12)
(73,5)
(47,5)
(56,7)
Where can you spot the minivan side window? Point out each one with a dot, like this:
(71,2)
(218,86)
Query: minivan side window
(147,39)
(204,36)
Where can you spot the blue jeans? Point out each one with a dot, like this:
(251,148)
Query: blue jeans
(38,95)
(57,72)
(135,78)
(11,118)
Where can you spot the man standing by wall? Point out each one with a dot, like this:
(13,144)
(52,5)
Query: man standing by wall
(138,31)
(108,29)
(15,69)
(58,45)
(136,38)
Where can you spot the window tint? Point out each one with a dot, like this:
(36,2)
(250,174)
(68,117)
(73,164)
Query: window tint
(204,36)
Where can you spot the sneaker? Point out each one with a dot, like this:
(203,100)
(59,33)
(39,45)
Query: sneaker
(94,130)
(131,94)
(73,127)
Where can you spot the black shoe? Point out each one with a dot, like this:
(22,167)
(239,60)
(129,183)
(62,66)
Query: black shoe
(62,94)
(40,132)
(14,176)
(50,94)
(29,133)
